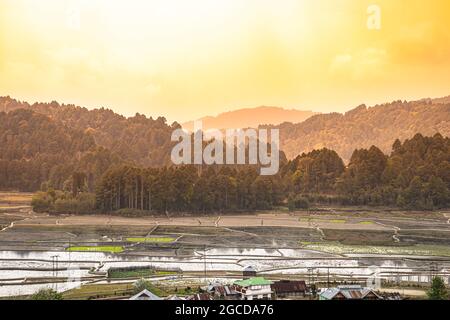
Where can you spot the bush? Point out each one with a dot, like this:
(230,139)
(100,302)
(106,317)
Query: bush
(141,285)
(301,203)
(41,202)
(438,291)
(63,202)
(47,294)
(291,203)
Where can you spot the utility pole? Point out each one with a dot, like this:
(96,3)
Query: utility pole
(433,270)
(55,270)
(204,259)
(328,278)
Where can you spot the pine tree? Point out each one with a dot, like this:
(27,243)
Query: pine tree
(438,291)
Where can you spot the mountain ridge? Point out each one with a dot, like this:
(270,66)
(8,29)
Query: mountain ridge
(251,118)
(148,142)
(364,126)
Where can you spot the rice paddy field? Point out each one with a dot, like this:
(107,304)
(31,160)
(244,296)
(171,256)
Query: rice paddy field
(152,240)
(65,251)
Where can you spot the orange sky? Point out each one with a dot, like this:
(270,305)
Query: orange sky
(186,59)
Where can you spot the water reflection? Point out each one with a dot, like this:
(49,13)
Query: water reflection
(18,268)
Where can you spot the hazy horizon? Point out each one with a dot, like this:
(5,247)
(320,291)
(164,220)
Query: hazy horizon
(185,61)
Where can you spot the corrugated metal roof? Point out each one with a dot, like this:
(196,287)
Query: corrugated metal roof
(353,292)
(200,296)
(286,286)
(257,281)
(330,293)
(145,295)
(174,297)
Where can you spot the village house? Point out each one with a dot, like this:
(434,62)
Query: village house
(390,295)
(174,298)
(223,292)
(145,295)
(249,272)
(350,292)
(287,289)
(256,288)
(199,297)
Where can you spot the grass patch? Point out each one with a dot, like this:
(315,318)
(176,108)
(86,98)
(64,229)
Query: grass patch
(366,222)
(338,221)
(152,240)
(100,291)
(112,249)
(318,220)
(307,243)
(139,273)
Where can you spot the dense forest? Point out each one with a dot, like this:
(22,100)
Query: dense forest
(363,127)
(138,139)
(415,176)
(146,141)
(97,160)
(36,150)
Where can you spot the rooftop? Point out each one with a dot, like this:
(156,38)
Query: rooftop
(289,286)
(250,269)
(145,295)
(257,281)
(349,292)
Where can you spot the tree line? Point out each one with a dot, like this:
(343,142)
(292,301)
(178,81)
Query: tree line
(416,175)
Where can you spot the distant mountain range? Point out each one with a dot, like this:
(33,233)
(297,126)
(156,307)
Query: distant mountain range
(251,118)
(139,139)
(363,127)
(146,141)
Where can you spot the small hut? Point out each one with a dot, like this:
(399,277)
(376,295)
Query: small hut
(249,272)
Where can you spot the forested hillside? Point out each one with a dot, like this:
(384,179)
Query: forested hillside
(35,149)
(416,175)
(364,127)
(147,141)
(125,161)
(139,139)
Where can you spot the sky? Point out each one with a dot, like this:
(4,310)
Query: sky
(187,59)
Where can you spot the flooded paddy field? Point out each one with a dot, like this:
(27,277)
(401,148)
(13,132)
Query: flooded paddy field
(340,244)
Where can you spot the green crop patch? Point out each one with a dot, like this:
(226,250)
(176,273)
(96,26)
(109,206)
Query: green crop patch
(366,222)
(112,249)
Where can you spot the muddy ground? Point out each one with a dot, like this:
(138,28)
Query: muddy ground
(23,229)
(341,243)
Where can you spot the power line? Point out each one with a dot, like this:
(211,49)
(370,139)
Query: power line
(204,258)
(55,270)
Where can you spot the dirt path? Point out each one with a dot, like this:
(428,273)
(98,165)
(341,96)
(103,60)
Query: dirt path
(153,230)
(11,225)
(25,218)
(447,216)
(243,232)
(322,234)
(395,229)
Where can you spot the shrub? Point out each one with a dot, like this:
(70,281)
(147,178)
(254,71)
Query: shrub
(301,203)
(47,294)
(41,202)
(141,285)
(438,291)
